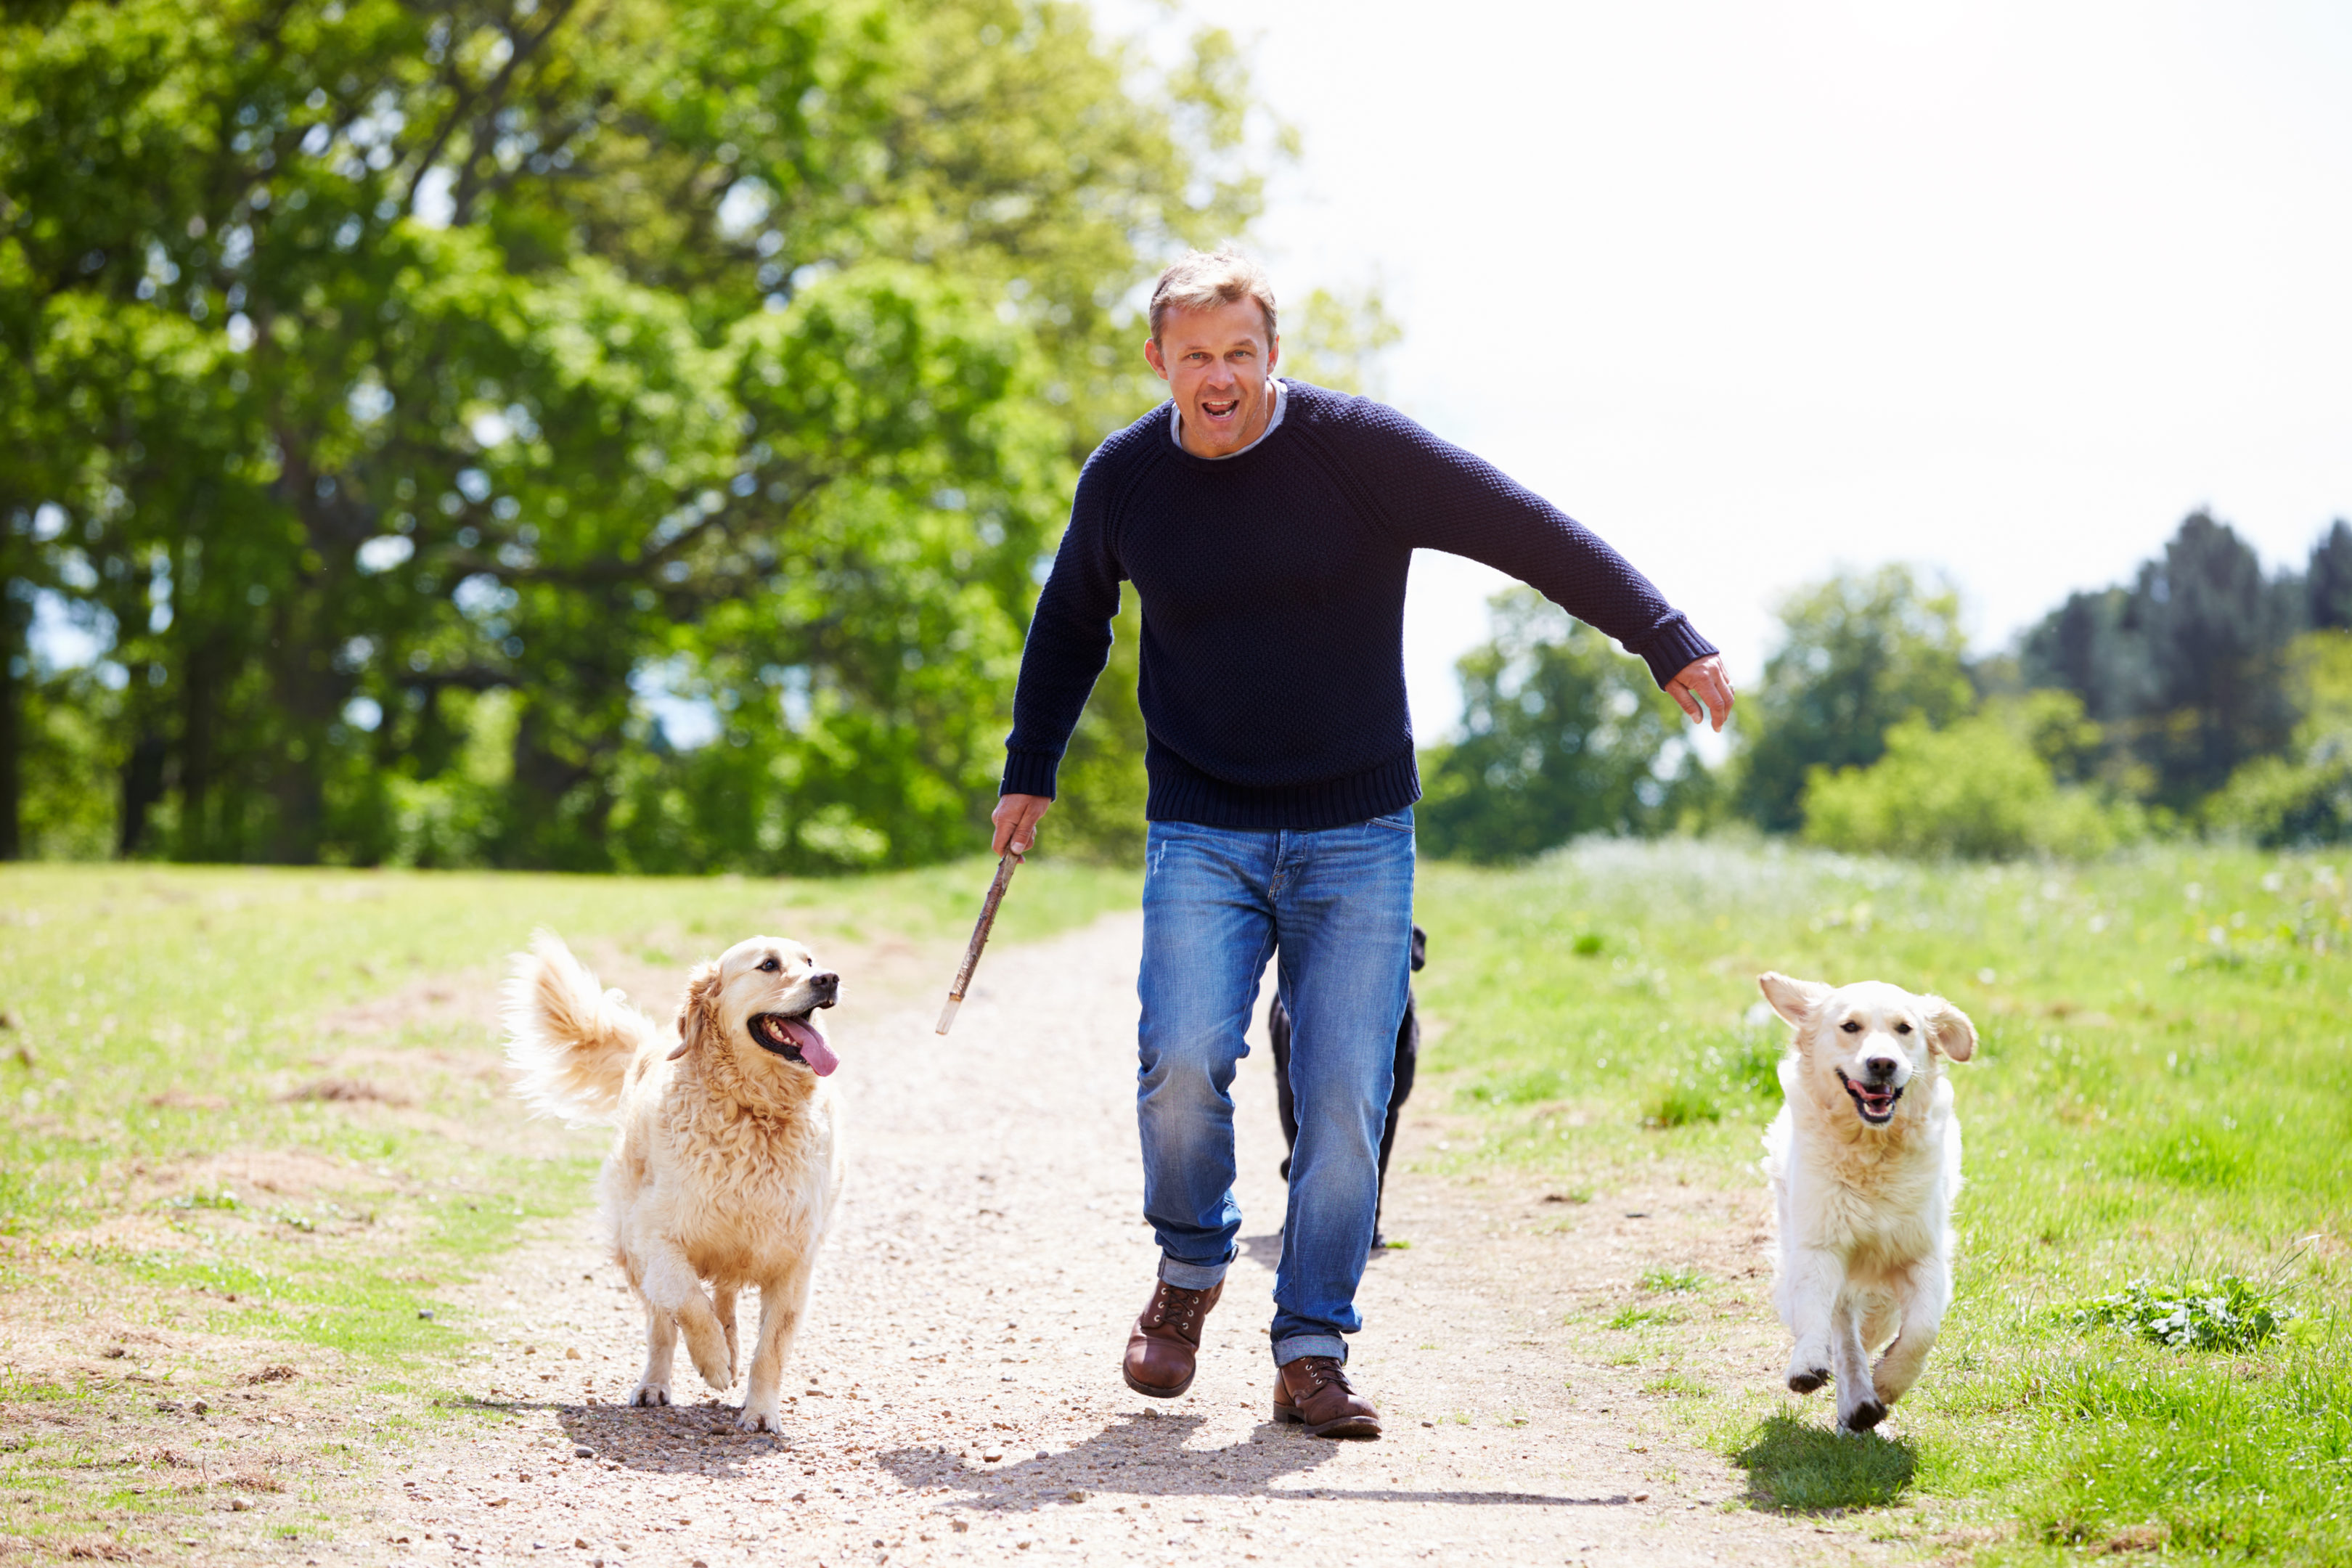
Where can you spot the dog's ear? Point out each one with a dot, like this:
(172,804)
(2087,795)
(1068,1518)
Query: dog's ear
(696,1015)
(1948,1029)
(1794,1000)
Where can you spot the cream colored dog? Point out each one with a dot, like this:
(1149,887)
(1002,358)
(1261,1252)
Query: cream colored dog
(1864,1161)
(729,1156)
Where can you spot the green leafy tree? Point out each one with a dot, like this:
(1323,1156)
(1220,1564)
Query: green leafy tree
(1564,735)
(2305,796)
(384,360)
(2186,669)
(1858,654)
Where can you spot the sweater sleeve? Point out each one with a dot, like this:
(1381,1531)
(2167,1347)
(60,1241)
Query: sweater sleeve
(1069,639)
(1435,496)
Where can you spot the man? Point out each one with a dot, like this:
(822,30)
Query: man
(1268,527)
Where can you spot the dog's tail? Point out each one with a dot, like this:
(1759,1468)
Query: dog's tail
(570,1042)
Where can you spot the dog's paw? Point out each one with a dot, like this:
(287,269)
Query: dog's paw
(716,1371)
(767,1419)
(1863,1417)
(1808,1381)
(650,1394)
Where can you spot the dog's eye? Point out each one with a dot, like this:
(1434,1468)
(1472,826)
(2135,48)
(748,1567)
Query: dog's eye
(769,966)
(1850,1028)
(1902,1028)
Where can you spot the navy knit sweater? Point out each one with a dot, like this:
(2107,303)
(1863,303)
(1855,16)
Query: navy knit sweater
(1273,586)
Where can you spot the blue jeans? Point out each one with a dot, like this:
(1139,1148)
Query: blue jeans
(1337,906)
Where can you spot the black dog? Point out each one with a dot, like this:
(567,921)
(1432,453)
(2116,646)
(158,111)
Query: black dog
(1408,1057)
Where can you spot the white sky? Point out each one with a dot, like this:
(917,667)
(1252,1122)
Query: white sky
(2006,289)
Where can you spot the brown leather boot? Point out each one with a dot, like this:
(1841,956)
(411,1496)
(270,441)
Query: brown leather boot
(1161,1352)
(1313,1391)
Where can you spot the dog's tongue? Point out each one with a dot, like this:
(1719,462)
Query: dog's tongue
(814,1050)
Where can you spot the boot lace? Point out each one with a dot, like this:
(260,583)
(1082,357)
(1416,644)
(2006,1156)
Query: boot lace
(1323,1371)
(1170,1296)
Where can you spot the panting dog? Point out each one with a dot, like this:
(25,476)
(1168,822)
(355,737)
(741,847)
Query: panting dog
(728,1156)
(1864,1161)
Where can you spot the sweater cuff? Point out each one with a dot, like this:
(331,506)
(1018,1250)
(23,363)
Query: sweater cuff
(1029,772)
(1672,648)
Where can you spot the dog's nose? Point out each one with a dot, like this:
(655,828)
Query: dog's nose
(1880,1067)
(826,981)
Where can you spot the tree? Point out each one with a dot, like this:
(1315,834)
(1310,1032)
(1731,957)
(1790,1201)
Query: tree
(1858,654)
(386,358)
(2185,668)
(1564,735)
(2327,580)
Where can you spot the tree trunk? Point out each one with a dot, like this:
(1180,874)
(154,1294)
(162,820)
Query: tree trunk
(14,658)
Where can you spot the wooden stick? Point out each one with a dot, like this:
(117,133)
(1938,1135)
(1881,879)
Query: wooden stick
(1004,868)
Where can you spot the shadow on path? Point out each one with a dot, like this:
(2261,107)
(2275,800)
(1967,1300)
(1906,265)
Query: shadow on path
(1150,1459)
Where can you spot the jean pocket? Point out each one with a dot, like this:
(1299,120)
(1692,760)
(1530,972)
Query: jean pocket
(1395,822)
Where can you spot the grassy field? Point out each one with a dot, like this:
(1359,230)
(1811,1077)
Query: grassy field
(196,1179)
(253,1119)
(2160,1096)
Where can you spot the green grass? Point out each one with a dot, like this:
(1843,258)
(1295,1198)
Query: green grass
(2163,1092)
(158,1014)
(158,1026)
(158,1017)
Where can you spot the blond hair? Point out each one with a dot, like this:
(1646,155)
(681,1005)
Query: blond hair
(1204,279)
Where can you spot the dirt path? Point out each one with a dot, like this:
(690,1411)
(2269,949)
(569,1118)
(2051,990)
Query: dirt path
(957,1397)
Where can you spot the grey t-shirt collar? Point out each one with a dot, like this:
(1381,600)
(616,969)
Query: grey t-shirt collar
(1281,399)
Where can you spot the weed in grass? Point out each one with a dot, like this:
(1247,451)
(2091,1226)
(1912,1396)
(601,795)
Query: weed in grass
(1796,1466)
(1679,1105)
(1670,1280)
(1675,1386)
(1643,1318)
(2228,1314)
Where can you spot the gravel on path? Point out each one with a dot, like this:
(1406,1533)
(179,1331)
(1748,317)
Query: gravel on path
(956,1394)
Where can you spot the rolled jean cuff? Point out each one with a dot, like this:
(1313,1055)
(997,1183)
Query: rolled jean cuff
(1192,1276)
(1297,1345)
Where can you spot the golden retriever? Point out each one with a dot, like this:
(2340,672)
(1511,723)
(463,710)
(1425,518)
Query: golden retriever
(728,1158)
(1864,1161)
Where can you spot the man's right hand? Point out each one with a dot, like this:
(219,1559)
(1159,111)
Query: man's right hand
(1016,819)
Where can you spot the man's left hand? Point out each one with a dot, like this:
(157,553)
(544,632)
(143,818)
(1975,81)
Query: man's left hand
(1703,680)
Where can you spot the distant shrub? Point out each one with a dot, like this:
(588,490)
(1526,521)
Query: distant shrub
(2281,804)
(1982,789)
(2228,1314)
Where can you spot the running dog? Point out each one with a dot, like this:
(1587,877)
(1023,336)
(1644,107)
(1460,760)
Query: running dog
(1864,1161)
(1408,1058)
(728,1157)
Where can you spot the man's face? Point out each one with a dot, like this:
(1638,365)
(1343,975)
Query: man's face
(1217,363)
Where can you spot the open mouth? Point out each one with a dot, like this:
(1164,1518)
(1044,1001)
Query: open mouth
(795,1038)
(1876,1105)
(1224,410)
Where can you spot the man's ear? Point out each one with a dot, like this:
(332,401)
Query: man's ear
(1152,355)
(1794,1000)
(697,1015)
(1948,1029)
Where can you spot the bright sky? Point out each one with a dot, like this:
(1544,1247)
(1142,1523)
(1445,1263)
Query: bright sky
(2003,288)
